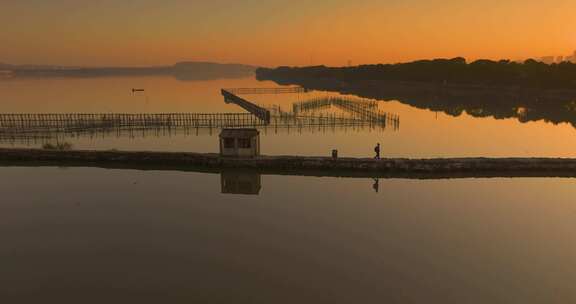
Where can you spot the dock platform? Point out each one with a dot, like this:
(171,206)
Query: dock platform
(297,165)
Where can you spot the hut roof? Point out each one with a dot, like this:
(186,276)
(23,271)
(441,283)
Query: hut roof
(239,133)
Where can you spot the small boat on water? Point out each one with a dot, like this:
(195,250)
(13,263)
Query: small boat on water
(137,90)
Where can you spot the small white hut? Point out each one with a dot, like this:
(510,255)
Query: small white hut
(240,142)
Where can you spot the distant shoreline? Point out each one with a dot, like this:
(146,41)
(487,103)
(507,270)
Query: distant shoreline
(456,71)
(181,70)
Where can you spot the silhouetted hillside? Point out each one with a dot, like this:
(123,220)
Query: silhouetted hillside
(530,74)
(529,91)
(182,71)
(210,70)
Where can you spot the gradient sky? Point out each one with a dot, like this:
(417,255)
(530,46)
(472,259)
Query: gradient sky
(281,32)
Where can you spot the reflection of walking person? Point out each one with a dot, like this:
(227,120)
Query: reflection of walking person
(376,185)
(377,150)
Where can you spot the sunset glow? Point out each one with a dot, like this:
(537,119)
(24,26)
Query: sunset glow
(331,32)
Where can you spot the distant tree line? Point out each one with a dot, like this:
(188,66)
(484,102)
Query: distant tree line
(529,73)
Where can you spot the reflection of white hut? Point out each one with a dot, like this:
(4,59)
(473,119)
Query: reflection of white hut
(240,142)
(240,183)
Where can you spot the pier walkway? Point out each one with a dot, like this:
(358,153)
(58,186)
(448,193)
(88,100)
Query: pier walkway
(298,165)
(252,91)
(252,108)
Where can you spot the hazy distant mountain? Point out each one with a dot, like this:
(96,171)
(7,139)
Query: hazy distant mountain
(181,70)
(210,70)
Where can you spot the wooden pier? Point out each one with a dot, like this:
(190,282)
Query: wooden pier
(256,110)
(252,91)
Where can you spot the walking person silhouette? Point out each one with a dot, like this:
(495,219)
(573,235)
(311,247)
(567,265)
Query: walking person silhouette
(377,150)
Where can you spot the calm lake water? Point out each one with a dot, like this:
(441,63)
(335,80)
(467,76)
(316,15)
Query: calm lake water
(78,235)
(421,133)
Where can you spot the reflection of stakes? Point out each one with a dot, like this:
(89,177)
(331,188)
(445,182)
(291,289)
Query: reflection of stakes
(72,122)
(30,123)
(40,137)
(324,102)
(363,109)
(311,105)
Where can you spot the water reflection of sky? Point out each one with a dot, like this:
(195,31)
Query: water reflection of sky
(91,231)
(422,133)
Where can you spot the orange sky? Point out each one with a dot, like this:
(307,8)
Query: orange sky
(297,32)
